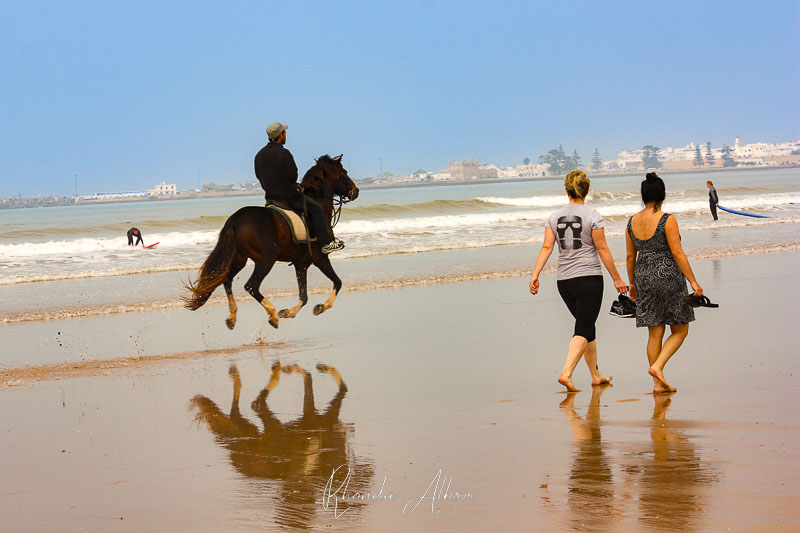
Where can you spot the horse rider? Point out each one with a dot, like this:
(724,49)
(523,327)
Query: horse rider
(134,232)
(277,172)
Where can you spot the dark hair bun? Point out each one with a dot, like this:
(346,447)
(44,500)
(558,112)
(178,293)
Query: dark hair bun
(651,177)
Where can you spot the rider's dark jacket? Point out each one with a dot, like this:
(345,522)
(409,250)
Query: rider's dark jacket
(277,172)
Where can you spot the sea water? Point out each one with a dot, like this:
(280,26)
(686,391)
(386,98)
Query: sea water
(74,257)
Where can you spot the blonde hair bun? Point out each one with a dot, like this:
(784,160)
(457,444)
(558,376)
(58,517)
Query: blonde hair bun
(577,184)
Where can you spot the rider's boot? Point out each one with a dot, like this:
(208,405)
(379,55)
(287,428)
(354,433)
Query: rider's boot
(334,246)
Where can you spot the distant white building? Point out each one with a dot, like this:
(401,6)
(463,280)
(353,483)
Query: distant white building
(531,171)
(763,150)
(163,189)
(442,175)
(757,154)
(507,172)
(114,195)
(420,175)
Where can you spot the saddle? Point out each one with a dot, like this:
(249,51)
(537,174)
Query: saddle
(296,222)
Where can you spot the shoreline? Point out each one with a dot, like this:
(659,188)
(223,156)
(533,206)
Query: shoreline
(148,331)
(218,298)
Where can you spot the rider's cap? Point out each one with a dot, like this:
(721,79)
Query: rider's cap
(275,129)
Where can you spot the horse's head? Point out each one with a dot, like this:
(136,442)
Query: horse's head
(328,178)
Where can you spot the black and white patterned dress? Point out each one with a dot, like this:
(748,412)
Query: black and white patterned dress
(660,284)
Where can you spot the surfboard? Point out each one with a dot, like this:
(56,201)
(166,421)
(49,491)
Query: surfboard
(149,245)
(741,212)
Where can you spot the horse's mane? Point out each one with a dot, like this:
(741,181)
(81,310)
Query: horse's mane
(314,174)
(328,160)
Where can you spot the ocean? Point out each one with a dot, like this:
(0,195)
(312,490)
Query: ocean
(74,261)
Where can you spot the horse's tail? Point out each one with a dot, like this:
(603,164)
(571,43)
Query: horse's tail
(214,270)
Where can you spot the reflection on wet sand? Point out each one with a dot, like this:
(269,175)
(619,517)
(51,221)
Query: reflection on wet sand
(671,477)
(299,456)
(666,472)
(591,489)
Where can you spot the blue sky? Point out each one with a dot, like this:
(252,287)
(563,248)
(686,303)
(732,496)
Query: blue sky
(127,94)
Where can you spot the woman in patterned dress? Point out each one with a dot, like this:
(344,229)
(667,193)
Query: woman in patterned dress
(658,270)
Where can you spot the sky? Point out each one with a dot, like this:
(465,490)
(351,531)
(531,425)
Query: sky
(125,95)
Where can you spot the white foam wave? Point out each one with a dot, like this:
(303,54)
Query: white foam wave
(607,209)
(77,247)
(675,201)
(532,201)
(353,227)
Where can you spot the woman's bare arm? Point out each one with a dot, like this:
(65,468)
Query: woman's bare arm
(599,238)
(674,241)
(630,248)
(544,255)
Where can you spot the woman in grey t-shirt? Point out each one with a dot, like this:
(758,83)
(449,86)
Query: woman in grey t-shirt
(581,248)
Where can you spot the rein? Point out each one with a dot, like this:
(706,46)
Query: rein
(337,209)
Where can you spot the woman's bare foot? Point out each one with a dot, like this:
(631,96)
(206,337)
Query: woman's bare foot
(600,379)
(567,382)
(664,386)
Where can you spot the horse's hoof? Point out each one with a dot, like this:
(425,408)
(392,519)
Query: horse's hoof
(318,309)
(283,313)
(230,322)
(273,322)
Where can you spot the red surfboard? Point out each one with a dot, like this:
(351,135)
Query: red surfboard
(149,245)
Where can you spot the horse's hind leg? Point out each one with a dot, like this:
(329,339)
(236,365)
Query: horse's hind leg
(302,285)
(259,273)
(236,267)
(324,264)
(322,367)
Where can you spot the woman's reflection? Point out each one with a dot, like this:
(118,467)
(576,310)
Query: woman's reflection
(591,489)
(671,475)
(299,455)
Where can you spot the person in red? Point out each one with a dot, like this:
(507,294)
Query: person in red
(134,232)
(277,172)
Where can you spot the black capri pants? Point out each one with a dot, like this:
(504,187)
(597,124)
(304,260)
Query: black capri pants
(583,296)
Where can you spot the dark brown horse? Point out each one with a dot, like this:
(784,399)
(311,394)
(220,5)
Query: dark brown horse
(264,236)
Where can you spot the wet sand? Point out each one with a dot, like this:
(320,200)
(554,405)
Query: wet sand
(452,383)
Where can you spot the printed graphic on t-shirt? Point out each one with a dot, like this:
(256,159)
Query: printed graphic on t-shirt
(569,232)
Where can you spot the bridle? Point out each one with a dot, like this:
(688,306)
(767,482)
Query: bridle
(338,198)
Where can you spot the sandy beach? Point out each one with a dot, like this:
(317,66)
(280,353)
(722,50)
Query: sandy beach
(440,401)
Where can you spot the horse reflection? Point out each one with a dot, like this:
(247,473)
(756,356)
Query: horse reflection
(299,455)
(591,494)
(671,475)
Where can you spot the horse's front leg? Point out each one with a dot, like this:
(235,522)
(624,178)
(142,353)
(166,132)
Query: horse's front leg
(302,285)
(324,264)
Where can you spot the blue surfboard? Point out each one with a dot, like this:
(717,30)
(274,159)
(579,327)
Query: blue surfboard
(741,212)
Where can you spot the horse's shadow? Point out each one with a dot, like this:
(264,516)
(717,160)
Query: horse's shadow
(299,456)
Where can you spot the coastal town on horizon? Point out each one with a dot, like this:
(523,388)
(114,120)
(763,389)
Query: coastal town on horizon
(555,162)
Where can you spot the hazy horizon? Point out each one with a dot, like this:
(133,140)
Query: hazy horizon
(128,95)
